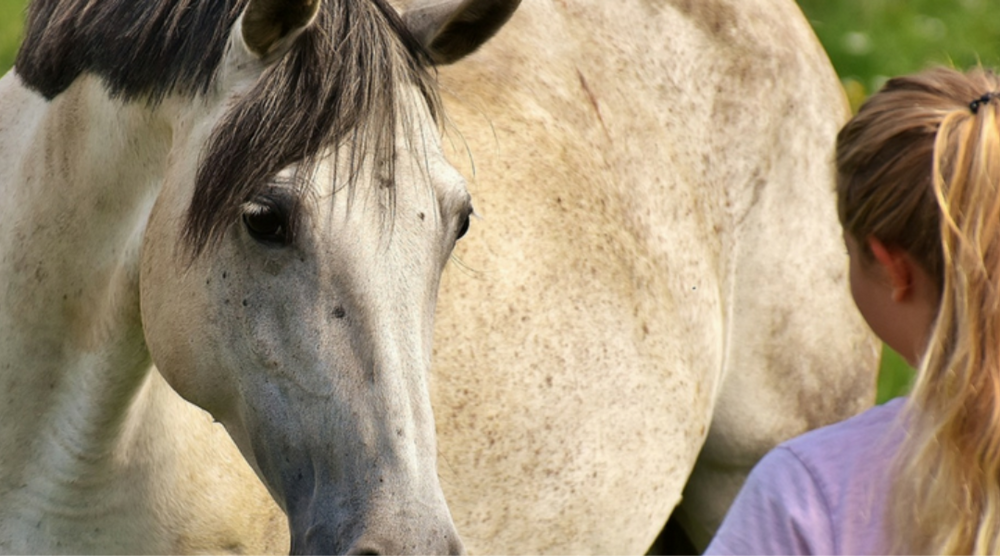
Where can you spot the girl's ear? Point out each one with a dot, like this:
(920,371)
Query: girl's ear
(898,266)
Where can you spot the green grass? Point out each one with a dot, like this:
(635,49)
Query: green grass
(870,40)
(11,18)
(895,376)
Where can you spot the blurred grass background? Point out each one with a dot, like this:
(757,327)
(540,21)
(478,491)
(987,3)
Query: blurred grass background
(867,40)
(11,16)
(870,40)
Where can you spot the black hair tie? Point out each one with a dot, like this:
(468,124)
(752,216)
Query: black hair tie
(985,99)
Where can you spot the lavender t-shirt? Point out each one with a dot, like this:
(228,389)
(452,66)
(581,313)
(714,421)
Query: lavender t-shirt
(821,493)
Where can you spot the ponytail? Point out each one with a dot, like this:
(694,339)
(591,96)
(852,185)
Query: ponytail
(945,496)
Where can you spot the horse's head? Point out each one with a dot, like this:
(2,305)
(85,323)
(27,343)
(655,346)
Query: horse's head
(291,264)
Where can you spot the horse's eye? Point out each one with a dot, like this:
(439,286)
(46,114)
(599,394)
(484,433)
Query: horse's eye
(266,222)
(463,228)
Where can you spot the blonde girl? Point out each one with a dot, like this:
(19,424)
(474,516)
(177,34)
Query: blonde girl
(918,190)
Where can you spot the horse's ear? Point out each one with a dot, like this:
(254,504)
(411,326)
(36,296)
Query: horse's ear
(269,27)
(452,29)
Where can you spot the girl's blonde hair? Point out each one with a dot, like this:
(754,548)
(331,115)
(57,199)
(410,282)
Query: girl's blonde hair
(919,168)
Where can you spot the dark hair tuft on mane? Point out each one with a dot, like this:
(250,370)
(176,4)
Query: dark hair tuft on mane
(337,85)
(141,49)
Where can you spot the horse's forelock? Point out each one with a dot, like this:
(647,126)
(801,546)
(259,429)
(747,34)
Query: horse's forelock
(339,82)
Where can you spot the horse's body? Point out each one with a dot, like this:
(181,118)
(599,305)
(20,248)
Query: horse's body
(657,258)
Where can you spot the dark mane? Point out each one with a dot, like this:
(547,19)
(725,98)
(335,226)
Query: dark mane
(337,84)
(140,48)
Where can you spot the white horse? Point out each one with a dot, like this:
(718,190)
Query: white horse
(252,195)
(654,293)
(657,263)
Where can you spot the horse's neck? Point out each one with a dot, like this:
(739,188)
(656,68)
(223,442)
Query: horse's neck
(97,453)
(78,182)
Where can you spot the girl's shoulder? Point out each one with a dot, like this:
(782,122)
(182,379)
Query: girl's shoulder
(820,493)
(879,429)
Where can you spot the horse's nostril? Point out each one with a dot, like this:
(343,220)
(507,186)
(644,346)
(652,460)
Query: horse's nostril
(370,547)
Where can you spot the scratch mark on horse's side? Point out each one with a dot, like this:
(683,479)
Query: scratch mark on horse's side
(593,101)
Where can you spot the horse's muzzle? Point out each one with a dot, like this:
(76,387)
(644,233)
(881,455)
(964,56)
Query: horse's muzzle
(393,538)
